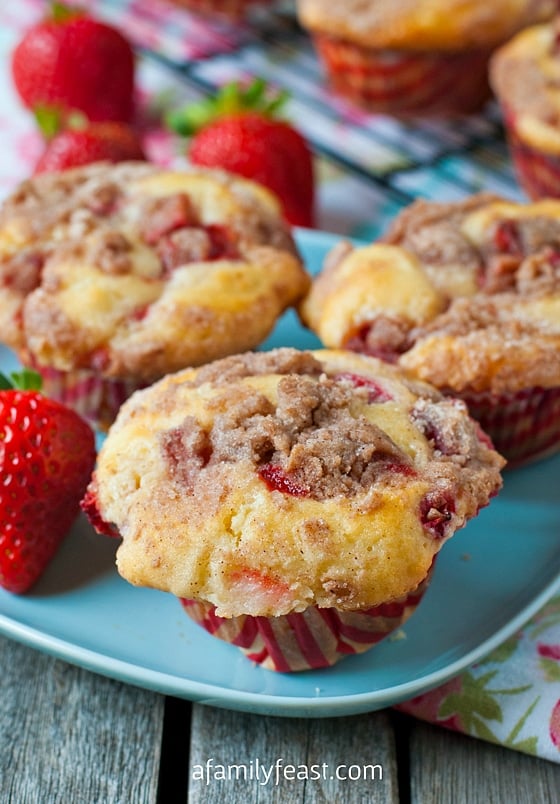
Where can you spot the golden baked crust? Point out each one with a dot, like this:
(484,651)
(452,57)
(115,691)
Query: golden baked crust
(133,270)
(445,25)
(268,482)
(525,76)
(465,295)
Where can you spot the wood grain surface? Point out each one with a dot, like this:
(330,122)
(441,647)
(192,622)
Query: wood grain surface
(71,736)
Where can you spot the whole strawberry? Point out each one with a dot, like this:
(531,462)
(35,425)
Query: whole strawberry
(90,142)
(238,132)
(47,454)
(71,60)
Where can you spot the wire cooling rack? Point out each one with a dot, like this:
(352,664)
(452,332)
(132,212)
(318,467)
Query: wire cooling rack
(369,165)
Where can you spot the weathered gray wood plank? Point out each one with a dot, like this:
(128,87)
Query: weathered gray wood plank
(449,767)
(67,735)
(246,748)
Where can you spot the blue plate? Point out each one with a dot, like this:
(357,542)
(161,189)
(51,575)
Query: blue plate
(490,578)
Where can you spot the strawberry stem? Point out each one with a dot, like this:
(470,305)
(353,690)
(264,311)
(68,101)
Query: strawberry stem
(24,380)
(49,120)
(231,99)
(60,12)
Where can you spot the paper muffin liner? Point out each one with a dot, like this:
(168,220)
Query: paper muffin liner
(308,640)
(537,172)
(523,426)
(95,398)
(400,83)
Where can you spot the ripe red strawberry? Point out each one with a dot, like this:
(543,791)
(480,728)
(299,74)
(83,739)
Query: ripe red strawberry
(94,142)
(75,62)
(237,131)
(47,454)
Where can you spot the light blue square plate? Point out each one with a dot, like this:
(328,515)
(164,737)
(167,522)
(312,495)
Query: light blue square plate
(490,578)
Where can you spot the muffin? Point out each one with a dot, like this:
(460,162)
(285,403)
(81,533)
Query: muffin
(114,275)
(465,296)
(293,501)
(524,74)
(414,57)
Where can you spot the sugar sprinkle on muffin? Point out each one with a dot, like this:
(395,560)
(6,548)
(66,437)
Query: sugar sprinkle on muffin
(466,296)
(267,484)
(123,273)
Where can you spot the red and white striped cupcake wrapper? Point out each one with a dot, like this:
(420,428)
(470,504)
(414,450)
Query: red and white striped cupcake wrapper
(234,9)
(401,83)
(524,426)
(537,172)
(95,398)
(310,639)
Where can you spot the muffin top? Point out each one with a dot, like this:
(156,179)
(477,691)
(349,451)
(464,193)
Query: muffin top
(133,270)
(525,74)
(443,25)
(465,295)
(268,482)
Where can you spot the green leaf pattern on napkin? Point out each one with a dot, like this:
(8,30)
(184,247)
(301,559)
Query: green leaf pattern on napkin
(512,696)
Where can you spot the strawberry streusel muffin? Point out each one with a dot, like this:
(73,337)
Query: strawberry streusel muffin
(524,74)
(114,275)
(414,56)
(294,501)
(465,296)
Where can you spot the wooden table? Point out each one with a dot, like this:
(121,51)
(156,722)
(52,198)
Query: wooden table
(68,735)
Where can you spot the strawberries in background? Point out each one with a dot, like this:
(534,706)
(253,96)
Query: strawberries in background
(75,62)
(47,454)
(90,142)
(238,131)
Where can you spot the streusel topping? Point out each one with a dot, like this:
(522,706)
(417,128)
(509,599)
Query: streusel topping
(267,481)
(132,270)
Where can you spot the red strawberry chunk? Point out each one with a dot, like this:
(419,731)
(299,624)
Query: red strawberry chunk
(196,244)
(166,215)
(398,468)
(436,511)
(223,243)
(361,341)
(90,507)
(552,255)
(277,479)
(507,238)
(376,392)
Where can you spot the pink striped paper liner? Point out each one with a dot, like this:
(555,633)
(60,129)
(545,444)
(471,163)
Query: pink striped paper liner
(95,398)
(537,172)
(398,83)
(523,426)
(310,639)
(228,8)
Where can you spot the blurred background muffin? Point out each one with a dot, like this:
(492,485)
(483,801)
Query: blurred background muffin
(466,296)
(115,274)
(414,56)
(525,76)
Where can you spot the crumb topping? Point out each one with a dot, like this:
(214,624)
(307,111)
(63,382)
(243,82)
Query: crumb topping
(496,266)
(274,481)
(313,437)
(105,250)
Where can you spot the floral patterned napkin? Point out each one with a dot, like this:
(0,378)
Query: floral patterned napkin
(368,168)
(512,697)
